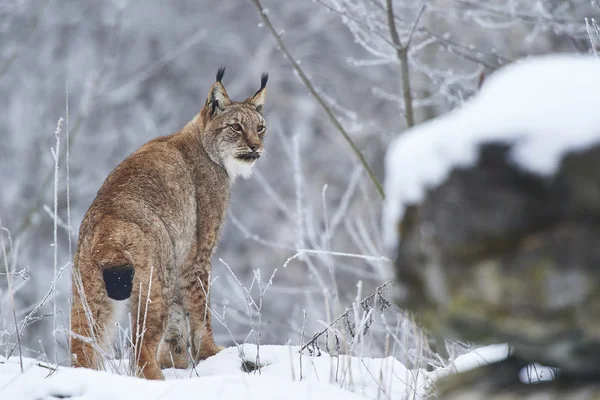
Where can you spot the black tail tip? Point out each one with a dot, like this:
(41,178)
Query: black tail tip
(118,281)
(220,73)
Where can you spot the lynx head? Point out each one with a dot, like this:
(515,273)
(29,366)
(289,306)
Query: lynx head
(234,132)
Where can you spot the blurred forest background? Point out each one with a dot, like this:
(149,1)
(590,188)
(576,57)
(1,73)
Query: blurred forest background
(135,70)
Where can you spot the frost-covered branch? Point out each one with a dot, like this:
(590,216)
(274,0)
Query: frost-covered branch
(402,54)
(594,34)
(377,295)
(96,89)
(308,84)
(11,294)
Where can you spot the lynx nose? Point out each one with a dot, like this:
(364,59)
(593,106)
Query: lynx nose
(254,147)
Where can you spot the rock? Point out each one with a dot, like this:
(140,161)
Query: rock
(542,391)
(499,382)
(495,253)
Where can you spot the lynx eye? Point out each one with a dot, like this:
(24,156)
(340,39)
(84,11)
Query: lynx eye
(236,127)
(260,129)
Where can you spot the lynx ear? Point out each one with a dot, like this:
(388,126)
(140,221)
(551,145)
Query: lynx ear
(258,100)
(217,98)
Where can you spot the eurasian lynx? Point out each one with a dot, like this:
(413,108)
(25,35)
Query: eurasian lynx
(150,233)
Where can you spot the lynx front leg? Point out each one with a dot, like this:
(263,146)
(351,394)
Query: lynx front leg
(172,350)
(196,300)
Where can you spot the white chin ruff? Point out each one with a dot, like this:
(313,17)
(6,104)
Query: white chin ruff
(237,168)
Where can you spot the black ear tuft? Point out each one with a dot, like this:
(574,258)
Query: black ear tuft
(220,73)
(263,80)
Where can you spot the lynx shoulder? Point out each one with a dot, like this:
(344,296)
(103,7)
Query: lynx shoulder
(148,237)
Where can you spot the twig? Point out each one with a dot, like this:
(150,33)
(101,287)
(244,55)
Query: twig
(96,89)
(363,302)
(46,366)
(301,219)
(414,28)
(11,294)
(588,27)
(68,171)
(56,155)
(302,338)
(69,228)
(308,84)
(531,18)
(253,236)
(333,253)
(37,308)
(469,51)
(461,50)
(344,14)
(402,54)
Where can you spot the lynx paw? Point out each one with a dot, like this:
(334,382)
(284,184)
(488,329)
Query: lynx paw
(172,354)
(204,347)
(152,373)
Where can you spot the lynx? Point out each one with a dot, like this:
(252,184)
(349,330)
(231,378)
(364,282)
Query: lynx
(148,237)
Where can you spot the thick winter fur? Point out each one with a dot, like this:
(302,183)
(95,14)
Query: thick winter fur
(149,235)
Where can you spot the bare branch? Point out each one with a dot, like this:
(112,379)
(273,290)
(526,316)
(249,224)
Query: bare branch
(95,91)
(520,16)
(358,22)
(11,294)
(308,84)
(588,27)
(468,49)
(363,302)
(402,54)
(30,316)
(414,28)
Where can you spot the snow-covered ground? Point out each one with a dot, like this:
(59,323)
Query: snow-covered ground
(285,375)
(544,106)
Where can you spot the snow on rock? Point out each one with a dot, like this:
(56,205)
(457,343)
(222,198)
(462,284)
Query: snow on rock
(473,359)
(543,106)
(479,357)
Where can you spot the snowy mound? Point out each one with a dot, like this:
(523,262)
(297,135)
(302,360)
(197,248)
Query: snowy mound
(222,377)
(544,107)
(285,375)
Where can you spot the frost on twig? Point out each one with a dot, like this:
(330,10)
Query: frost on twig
(593,32)
(376,301)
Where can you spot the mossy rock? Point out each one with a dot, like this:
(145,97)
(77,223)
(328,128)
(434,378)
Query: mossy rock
(498,254)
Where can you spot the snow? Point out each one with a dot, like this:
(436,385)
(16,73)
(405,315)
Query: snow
(479,357)
(221,377)
(545,106)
